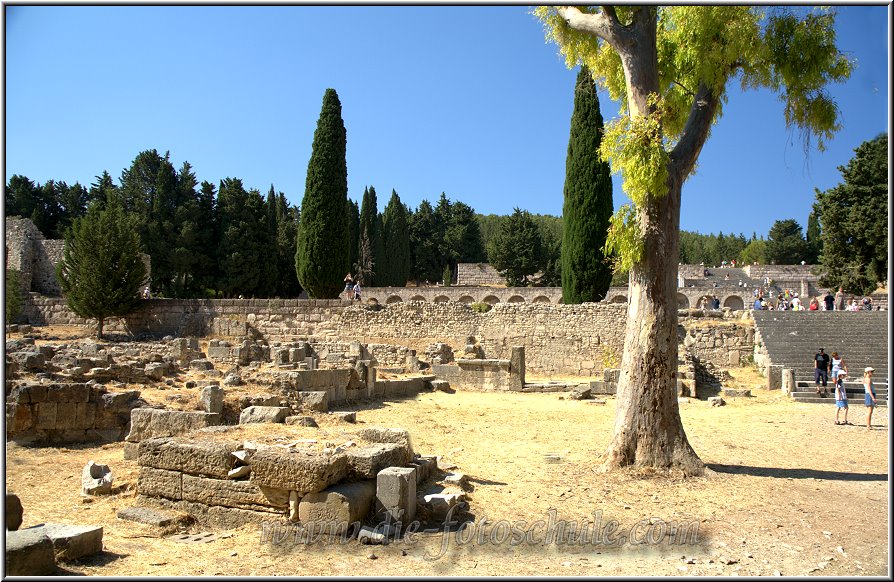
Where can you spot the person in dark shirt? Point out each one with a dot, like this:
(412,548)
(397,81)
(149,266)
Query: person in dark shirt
(821,370)
(829,299)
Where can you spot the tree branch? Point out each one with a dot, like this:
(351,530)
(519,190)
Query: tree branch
(603,24)
(695,132)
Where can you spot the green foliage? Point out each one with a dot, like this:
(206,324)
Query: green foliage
(424,244)
(462,236)
(754,252)
(245,246)
(814,238)
(101,271)
(371,228)
(481,307)
(447,276)
(287,219)
(13,295)
(517,250)
(395,265)
(854,220)
(786,244)
(322,252)
(353,222)
(584,272)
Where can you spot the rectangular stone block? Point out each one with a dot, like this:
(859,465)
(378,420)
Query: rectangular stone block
(45,415)
(210,458)
(317,400)
(335,509)
(297,470)
(85,414)
(66,416)
(261,414)
(131,451)
(396,493)
(19,417)
(29,552)
(147,516)
(150,422)
(366,462)
(774,377)
(227,493)
(160,483)
(71,542)
(68,393)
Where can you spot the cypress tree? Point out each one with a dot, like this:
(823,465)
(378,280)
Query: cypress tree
(395,264)
(353,218)
(586,271)
(101,271)
(371,228)
(322,257)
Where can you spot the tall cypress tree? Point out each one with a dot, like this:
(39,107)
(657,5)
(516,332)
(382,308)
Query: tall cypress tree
(353,218)
(395,263)
(371,228)
(586,272)
(322,257)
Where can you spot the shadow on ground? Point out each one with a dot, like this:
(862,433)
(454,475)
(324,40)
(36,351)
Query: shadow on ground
(781,473)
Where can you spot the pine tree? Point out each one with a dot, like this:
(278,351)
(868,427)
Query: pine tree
(395,263)
(101,271)
(517,250)
(586,272)
(786,244)
(244,245)
(322,255)
(286,233)
(424,249)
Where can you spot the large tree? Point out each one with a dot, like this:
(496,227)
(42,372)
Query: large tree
(669,67)
(854,221)
(785,243)
(517,250)
(395,264)
(586,271)
(371,231)
(102,270)
(322,255)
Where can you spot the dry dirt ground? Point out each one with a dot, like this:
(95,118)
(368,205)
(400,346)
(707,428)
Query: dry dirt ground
(788,493)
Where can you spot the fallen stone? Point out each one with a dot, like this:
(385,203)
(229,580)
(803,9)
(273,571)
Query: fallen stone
(149,516)
(317,400)
(29,552)
(302,421)
(337,508)
(71,542)
(736,392)
(260,414)
(96,479)
(458,479)
(232,380)
(384,435)
(14,512)
(442,386)
(148,423)
(581,393)
(371,536)
(440,504)
(239,472)
(201,365)
(396,493)
(236,494)
(716,401)
(350,417)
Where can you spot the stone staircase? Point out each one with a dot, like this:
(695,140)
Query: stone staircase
(791,339)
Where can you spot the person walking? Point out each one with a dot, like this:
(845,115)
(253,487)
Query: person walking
(821,371)
(839,299)
(840,397)
(870,394)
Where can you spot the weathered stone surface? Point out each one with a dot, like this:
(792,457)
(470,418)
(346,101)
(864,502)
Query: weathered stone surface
(371,535)
(71,542)
(131,451)
(212,458)
(217,516)
(150,422)
(259,414)
(14,512)
(96,479)
(716,401)
(228,493)
(336,508)
(297,470)
(350,417)
(29,552)
(736,392)
(366,462)
(425,468)
(211,399)
(302,420)
(148,516)
(160,483)
(375,434)
(581,393)
(318,401)
(396,493)
(201,365)
(439,505)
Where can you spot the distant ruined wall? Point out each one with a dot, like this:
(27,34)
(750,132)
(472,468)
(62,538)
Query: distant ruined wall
(478,274)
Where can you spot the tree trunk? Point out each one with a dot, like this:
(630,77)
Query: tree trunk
(648,431)
(99,323)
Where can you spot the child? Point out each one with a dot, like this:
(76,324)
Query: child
(840,396)
(870,394)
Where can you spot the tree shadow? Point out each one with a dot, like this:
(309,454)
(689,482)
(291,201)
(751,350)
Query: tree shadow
(800,473)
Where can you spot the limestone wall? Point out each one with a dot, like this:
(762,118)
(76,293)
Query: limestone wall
(478,274)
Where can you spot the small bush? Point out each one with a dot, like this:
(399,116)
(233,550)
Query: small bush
(481,307)
(13,295)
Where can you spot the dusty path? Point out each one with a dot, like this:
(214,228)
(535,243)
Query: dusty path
(790,493)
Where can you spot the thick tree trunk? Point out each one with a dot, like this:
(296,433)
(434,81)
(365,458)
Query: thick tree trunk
(99,323)
(648,431)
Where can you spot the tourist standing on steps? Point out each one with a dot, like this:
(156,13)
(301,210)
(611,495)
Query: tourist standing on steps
(821,370)
(840,396)
(357,291)
(349,285)
(870,394)
(829,300)
(839,299)
(838,366)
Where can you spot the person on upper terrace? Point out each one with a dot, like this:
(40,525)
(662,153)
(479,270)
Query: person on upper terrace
(839,300)
(814,304)
(867,304)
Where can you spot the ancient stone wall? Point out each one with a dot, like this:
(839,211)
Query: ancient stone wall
(478,274)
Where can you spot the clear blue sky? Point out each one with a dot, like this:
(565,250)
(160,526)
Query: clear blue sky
(465,100)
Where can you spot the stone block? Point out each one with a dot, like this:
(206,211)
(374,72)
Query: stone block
(439,505)
(85,414)
(425,468)
(297,470)
(366,462)
(212,458)
(260,414)
(156,371)
(45,415)
(201,365)
(68,393)
(96,479)
(211,399)
(788,380)
(131,451)
(71,542)
(716,401)
(316,400)
(29,552)
(148,516)
(150,422)
(396,493)
(19,417)
(228,493)
(375,434)
(350,417)
(774,377)
(581,393)
(14,512)
(301,420)
(160,483)
(119,401)
(736,392)
(335,509)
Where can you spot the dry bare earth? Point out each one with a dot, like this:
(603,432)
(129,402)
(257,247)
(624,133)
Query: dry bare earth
(789,493)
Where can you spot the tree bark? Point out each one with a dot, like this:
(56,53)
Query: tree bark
(99,323)
(648,431)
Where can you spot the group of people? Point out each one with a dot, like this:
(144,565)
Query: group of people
(352,288)
(788,300)
(824,365)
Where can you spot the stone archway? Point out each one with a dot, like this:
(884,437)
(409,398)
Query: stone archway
(541,299)
(682,301)
(467,299)
(734,302)
(442,299)
(417,298)
(393,299)
(491,300)
(516,299)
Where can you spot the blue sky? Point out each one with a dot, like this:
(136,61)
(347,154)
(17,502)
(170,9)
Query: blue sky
(465,100)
